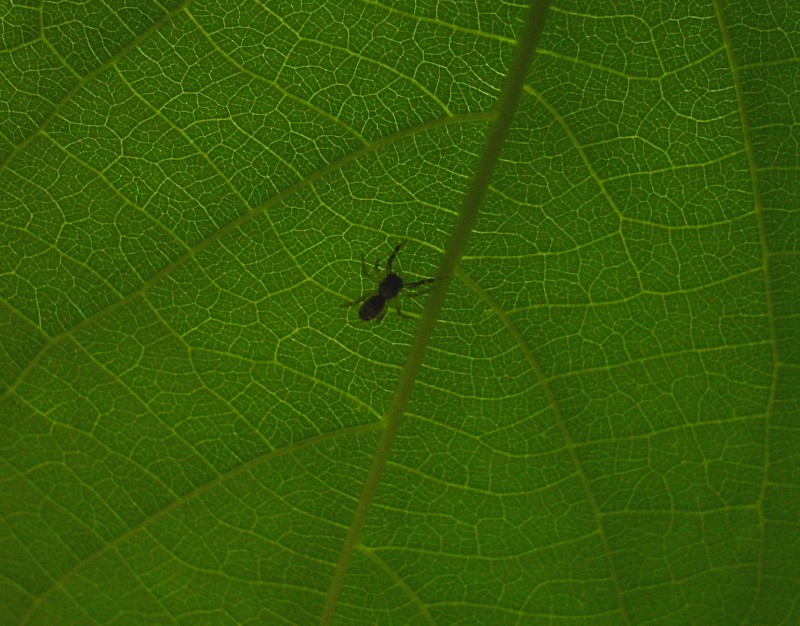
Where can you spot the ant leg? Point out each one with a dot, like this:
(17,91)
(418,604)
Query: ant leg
(365,272)
(399,312)
(359,301)
(415,286)
(381,315)
(392,257)
(419,283)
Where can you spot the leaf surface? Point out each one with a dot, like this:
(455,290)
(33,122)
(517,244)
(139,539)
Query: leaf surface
(604,427)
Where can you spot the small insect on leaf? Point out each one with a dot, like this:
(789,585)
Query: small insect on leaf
(389,287)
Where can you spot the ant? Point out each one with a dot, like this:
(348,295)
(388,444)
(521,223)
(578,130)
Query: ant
(388,289)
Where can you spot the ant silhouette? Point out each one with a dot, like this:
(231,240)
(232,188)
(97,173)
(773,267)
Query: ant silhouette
(388,289)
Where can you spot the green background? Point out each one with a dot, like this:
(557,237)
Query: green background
(605,426)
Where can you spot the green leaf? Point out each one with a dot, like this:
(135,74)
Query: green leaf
(603,428)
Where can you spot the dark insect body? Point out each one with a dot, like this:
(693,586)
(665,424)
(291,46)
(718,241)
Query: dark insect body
(389,287)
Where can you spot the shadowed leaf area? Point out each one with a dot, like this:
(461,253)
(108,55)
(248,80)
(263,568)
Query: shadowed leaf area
(604,426)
